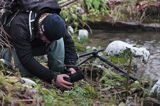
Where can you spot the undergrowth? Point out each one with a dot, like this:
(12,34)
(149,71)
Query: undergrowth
(101,87)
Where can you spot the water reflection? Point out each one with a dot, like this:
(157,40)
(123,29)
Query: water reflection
(149,40)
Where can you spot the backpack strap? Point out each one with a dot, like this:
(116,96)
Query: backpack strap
(11,19)
(32,17)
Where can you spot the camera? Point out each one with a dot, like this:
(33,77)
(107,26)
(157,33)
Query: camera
(75,77)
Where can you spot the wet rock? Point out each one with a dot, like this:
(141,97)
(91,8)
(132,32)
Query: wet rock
(83,35)
(122,26)
(155,91)
(70,29)
(118,47)
(28,82)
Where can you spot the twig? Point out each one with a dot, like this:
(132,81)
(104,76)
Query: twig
(67,3)
(25,100)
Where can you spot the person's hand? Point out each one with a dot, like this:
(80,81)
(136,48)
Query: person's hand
(60,82)
(72,70)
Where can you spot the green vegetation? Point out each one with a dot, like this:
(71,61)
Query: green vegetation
(102,86)
(103,10)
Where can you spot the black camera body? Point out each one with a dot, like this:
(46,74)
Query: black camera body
(75,77)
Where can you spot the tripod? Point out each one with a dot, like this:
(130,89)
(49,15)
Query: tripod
(94,54)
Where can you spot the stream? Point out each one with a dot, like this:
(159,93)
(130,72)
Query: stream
(149,40)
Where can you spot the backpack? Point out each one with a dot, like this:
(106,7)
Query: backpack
(37,5)
(10,7)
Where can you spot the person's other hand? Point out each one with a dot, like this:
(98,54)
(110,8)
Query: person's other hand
(60,82)
(72,70)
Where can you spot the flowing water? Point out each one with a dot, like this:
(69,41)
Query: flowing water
(149,40)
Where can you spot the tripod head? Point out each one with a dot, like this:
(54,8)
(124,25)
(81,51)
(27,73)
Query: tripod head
(94,53)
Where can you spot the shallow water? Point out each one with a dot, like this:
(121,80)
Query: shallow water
(149,40)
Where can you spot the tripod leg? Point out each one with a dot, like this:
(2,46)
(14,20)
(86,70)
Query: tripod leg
(84,60)
(115,67)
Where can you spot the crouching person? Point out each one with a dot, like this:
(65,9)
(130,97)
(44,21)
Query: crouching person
(38,32)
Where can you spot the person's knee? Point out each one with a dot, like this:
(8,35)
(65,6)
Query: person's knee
(58,44)
(56,55)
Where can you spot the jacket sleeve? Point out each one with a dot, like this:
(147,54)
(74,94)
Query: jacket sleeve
(21,42)
(70,50)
